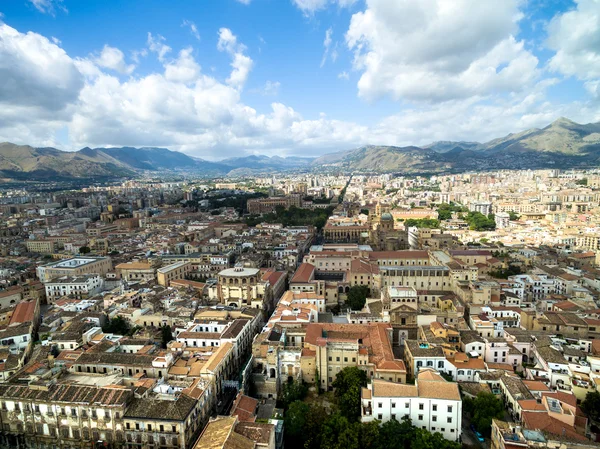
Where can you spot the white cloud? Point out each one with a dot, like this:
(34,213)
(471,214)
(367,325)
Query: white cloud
(193,28)
(271,88)
(113,58)
(575,36)
(244,2)
(184,69)
(45,91)
(241,63)
(309,7)
(326,45)
(158,46)
(343,75)
(434,50)
(49,6)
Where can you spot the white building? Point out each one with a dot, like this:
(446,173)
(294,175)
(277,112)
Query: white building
(502,220)
(432,403)
(79,287)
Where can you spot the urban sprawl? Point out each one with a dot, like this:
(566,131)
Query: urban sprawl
(302,310)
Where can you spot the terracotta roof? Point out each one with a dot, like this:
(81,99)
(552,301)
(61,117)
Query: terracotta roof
(546,423)
(303,273)
(25,311)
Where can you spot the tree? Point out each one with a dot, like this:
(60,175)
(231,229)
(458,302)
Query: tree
(357,296)
(291,392)
(84,250)
(429,223)
(591,405)
(118,325)
(484,408)
(513,216)
(166,335)
(295,423)
(348,384)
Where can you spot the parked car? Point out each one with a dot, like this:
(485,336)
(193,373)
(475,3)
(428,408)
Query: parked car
(477,434)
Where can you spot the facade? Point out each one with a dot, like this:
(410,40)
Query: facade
(74,267)
(175,271)
(431,403)
(78,287)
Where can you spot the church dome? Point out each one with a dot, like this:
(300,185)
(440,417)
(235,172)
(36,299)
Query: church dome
(386,216)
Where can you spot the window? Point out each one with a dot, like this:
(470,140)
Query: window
(406,405)
(449,409)
(380,417)
(420,406)
(379,405)
(393,416)
(420,418)
(434,418)
(393,405)
(449,420)
(173,429)
(434,407)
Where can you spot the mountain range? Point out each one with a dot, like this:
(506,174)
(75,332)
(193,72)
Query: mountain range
(563,144)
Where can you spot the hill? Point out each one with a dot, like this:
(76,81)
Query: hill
(24,162)
(563,143)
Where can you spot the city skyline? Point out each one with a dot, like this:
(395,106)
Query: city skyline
(293,77)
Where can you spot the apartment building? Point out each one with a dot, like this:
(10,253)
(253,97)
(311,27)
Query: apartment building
(41,246)
(78,287)
(74,267)
(175,271)
(329,348)
(431,403)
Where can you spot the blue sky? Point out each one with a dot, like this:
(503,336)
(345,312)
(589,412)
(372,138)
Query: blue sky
(220,78)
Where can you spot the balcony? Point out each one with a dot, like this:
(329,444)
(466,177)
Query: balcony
(367,411)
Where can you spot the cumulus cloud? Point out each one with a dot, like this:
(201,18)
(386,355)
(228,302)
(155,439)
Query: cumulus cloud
(114,59)
(433,50)
(44,92)
(241,63)
(193,28)
(575,36)
(157,45)
(184,69)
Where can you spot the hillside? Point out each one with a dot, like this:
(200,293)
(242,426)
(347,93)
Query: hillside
(24,162)
(563,143)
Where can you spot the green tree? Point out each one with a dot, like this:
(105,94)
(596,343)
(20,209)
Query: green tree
(513,216)
(118,325)
(84,250)
(357,296)
(295,423)
(166,335)
(430,223)
(591,405)
(484,408)
(348,384)
(291,392)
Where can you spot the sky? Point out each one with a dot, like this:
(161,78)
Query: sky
(229,78)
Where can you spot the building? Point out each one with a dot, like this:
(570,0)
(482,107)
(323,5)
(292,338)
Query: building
(41,246)
(431,403)
(329,348)
(240,286)
(74,267)
(78,287)
(258,206)
(175,271)
(136,271)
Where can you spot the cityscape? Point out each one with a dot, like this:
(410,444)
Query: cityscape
(186,262)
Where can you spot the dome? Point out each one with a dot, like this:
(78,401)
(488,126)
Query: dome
(386,216)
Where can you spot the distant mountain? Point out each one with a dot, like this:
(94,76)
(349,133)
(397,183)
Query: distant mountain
(443,146)
(384,159)
(563,144)
(26,162)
